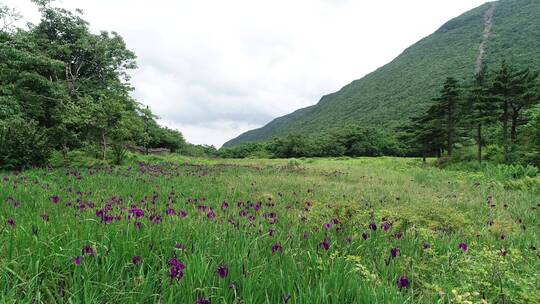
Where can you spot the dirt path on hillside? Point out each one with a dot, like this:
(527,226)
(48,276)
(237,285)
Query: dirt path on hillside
(488,25)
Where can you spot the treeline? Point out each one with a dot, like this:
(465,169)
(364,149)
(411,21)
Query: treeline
(352,140)
(499,109)
(63,88)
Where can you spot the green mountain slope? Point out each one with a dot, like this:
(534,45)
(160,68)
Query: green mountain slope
(390,95)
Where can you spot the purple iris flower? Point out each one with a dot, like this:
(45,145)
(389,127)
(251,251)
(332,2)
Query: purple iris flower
(11,222)
(176,270)
(203,301)
(77,260)
(223,271)
(324,244)
(136,260)
(463,247)
(224,205)
(55,199)
(373,226)
(385,226)
(365,235)
(402,282)
(88,250)
(277,247)
(394,252)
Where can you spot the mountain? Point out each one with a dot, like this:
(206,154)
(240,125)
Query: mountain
(389,96)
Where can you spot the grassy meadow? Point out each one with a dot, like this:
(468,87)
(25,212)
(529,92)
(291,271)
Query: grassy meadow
(181,230)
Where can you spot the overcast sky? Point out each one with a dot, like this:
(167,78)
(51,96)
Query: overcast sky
(216,68)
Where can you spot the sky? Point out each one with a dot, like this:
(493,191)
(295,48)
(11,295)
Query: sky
(214,69)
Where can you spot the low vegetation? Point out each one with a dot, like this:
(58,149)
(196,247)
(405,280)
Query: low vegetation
(367,230)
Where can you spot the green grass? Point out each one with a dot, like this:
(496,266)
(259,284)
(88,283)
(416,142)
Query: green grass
(425,204)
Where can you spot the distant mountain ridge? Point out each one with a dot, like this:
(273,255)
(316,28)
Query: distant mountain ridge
(404,87)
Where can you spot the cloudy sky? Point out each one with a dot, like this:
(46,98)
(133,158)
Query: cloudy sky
(216,68)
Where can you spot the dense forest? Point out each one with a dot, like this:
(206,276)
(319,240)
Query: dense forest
(64,88)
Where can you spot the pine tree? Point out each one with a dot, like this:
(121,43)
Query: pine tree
(480,107)
(515,91)
(448,112)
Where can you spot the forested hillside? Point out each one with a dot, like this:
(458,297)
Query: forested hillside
(405,87)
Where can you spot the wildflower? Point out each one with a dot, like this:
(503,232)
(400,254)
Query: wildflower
(11,222)
(398,235)
(270,232)
(426,245)
(277,247)
(55,199)
(170,211)
(385,226)
(179,246)
(402,282)
(463,247)
(365,235)
(138,225)
(373,226)
(211,214)
(224,205)
(45,217)
(77,260)
(394,252)
(328,226)
(203,301)
(136,260)
(88,250)
(223,271)
(348,239)
(324,244)
(176,270)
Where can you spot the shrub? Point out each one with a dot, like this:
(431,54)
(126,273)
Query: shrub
(22,145)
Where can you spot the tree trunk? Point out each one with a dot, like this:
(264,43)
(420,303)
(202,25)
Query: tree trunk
(505,130)
(104,146)
(450,129)
(513,128)
(479,139)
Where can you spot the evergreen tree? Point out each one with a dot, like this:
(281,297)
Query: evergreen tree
(447,112)
(480,107)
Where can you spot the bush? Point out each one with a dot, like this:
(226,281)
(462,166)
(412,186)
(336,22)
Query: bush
(22,145)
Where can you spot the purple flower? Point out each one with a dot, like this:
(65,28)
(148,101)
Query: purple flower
(45,217)
(365,235)
(11,222)
(306,235)
(270,232)
(402,282)
(176,270)
(373,226)
(138,225)
(348,239)
(138,213)
(398,235)
(179,246)
(224,205)
(55,199)
(385,226)
(394,252)
(277,247)
(328,226)
(324,244)
(463,246)
(223,271)
(88,250)
(335,221)
(211,214)
(77,260)
(136,260)
(203,301)
(170,211)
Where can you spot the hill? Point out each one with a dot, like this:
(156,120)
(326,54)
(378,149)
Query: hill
(387,97)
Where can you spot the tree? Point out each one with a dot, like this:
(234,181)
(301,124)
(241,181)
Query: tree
(480,107)
(515,91)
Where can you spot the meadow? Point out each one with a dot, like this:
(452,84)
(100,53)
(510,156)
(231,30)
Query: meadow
(185,230)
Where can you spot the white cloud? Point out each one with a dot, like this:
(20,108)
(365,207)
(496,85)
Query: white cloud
(214,69)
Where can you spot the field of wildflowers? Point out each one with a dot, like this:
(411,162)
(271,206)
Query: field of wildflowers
(174,230)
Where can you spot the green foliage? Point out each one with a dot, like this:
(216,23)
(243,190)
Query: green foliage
(72,85)
(22,145)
